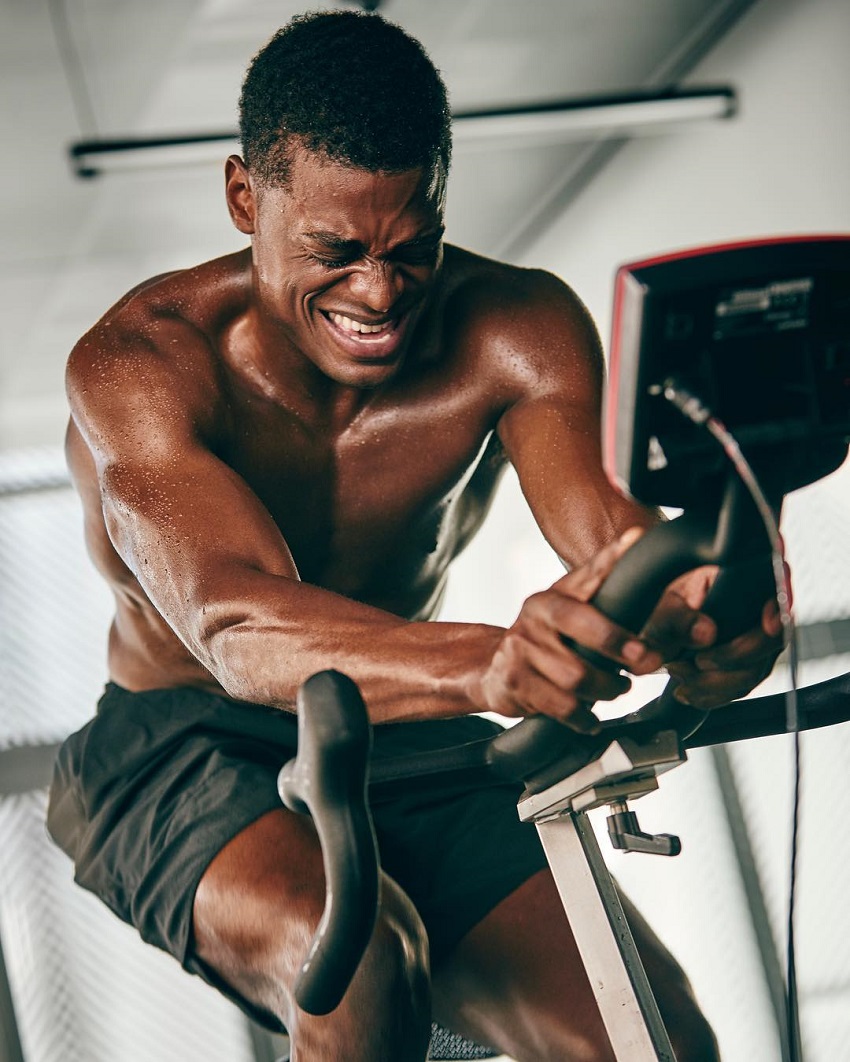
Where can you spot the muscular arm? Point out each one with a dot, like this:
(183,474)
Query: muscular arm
(552,432)
(212,561)
(552,436)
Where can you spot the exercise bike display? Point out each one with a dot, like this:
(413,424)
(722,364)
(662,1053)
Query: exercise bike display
(743,348)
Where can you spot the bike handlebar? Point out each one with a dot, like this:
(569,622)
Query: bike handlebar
(727,532)
(328,777)
(327,780)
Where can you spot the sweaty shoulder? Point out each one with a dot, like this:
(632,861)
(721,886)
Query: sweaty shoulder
(531,333)
(148,368)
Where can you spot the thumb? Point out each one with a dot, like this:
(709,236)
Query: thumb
(583,582)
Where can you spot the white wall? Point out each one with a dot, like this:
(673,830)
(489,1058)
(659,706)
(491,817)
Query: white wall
(782,166)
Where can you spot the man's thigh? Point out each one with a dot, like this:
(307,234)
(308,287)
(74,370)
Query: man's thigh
(517,982)
(457,849)
(255,911)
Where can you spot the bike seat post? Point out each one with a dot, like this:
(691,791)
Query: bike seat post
(604,939)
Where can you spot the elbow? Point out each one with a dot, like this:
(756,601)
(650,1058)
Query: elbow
(215,637)
(237,649)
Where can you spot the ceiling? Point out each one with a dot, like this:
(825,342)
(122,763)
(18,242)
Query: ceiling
(75,69)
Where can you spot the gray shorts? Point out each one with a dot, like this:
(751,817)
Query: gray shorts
(151,789)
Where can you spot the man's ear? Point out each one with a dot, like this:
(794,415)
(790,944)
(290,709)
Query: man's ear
(239,192)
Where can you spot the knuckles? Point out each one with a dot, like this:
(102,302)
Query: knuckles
(573,671)
(538,607)
(513,652)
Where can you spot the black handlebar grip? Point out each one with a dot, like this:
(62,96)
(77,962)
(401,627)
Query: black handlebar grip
(628,596)
(328,780)
(730,535)
(743,585)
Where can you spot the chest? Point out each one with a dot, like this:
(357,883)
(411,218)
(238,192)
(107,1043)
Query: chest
(388,498)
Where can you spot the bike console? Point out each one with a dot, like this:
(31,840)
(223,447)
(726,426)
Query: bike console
(760,331)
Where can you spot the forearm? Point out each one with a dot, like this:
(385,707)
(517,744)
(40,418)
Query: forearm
(555,450)
(238,605)
(263,651)
(601,520)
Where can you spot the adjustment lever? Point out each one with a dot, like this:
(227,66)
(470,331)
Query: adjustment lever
(626,834)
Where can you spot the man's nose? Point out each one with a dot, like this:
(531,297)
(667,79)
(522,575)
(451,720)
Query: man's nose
(377,285)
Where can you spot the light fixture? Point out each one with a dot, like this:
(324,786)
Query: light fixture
(586,119)
(535,124)
(91,158)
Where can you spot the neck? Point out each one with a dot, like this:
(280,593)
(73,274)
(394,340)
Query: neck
(266,355)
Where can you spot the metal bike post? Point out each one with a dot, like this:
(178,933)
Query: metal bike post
(604,939)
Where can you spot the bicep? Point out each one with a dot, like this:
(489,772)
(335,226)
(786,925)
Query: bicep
(552,435)
(200,544)
(176,514)
(193,516)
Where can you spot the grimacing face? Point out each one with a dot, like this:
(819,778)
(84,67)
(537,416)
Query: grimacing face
(344,259)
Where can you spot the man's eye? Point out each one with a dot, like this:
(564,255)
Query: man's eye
(424,255)
(331,263)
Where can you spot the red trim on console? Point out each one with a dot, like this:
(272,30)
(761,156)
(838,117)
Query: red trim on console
(609,456)
(692,252)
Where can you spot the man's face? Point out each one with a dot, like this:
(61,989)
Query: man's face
(345,260)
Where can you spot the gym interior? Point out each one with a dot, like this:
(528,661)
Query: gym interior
(578,197)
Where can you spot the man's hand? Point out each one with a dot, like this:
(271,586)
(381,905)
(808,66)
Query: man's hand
(535,672)
(710,675)
(713,676)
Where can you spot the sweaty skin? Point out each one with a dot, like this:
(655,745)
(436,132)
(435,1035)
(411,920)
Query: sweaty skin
(279,454)
(281,451)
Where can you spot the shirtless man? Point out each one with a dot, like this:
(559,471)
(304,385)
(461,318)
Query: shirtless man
(279,454)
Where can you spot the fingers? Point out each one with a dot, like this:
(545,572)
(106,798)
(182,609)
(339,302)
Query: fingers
(549,621)
(751,649)
(675,627)
(713,689)
(725,672)
(693,586)
(538,668)
(542,675)
(771,619)
(563,613)
(714,674)
(538,695)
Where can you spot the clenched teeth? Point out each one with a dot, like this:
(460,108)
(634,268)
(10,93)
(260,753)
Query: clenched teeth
(355,326)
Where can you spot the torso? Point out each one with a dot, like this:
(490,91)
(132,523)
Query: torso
(374,508)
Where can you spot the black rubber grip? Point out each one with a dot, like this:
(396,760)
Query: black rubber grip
(728,532)
(328,780)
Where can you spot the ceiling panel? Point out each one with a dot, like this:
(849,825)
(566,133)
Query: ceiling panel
(71,69)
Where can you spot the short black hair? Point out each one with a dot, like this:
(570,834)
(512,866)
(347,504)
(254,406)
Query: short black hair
(351,85)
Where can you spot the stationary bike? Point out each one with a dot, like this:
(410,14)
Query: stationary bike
(729,388)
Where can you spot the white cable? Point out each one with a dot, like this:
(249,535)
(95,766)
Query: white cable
(698,413)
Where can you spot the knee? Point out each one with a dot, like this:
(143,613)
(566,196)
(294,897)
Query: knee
(386,1012)
(396,964)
